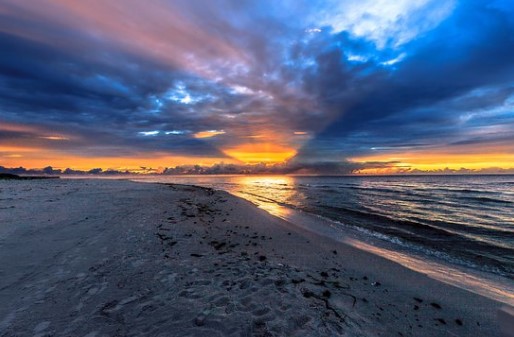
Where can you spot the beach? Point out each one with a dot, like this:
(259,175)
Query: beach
(119,258)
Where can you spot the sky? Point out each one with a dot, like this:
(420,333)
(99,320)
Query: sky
(346,86)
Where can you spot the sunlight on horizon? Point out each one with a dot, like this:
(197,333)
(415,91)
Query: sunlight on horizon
(260,153)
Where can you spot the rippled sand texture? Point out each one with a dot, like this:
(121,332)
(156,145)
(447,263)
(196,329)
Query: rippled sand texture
(117,258)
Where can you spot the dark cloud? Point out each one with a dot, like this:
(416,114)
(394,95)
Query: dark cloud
(328,168)
(114,80)
(460,69)
(320,168)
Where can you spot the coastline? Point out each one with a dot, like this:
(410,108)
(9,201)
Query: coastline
(493,286)
(96,257)
(449,268)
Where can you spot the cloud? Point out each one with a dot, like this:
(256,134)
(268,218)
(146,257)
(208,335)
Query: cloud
(219,168)
(319,168)
(208,134)
(321,81)
(438,95)
(386,23)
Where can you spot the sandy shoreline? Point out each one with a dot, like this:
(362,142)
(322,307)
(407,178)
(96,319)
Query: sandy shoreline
(105,258)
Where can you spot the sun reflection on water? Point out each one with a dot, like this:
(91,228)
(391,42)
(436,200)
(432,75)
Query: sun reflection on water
(264,191)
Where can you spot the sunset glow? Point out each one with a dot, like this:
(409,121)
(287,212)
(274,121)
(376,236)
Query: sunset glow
(260,153)
(433,162)
(343,87)
(153,163)
(208,134)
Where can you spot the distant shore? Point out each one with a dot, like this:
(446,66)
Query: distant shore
(9,176)
(114,257)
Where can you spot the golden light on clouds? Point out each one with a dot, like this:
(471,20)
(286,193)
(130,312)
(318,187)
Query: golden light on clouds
(39,158)
(434,161)
(7,149)
(260,153)
(208,134)
(54,137)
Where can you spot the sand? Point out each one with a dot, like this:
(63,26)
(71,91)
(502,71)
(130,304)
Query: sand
(119,258)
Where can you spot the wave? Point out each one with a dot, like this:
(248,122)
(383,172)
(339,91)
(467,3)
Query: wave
(486,200)
(388,223)
(485,253)
(496,268)
(461,218)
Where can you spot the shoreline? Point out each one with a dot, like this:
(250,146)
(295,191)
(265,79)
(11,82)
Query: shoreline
(9,176)
(102,257)
(498,287)
(450,270)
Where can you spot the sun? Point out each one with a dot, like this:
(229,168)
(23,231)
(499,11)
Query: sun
(254,153)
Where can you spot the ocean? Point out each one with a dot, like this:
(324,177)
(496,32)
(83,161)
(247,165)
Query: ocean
(464,225)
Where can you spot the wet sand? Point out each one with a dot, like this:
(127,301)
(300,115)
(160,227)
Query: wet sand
(118,258)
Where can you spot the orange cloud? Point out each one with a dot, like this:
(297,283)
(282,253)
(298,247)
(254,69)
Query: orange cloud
(54,137)
(208,133)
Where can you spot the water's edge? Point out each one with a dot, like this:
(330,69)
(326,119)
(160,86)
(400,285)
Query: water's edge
(495,287)
(438,266)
